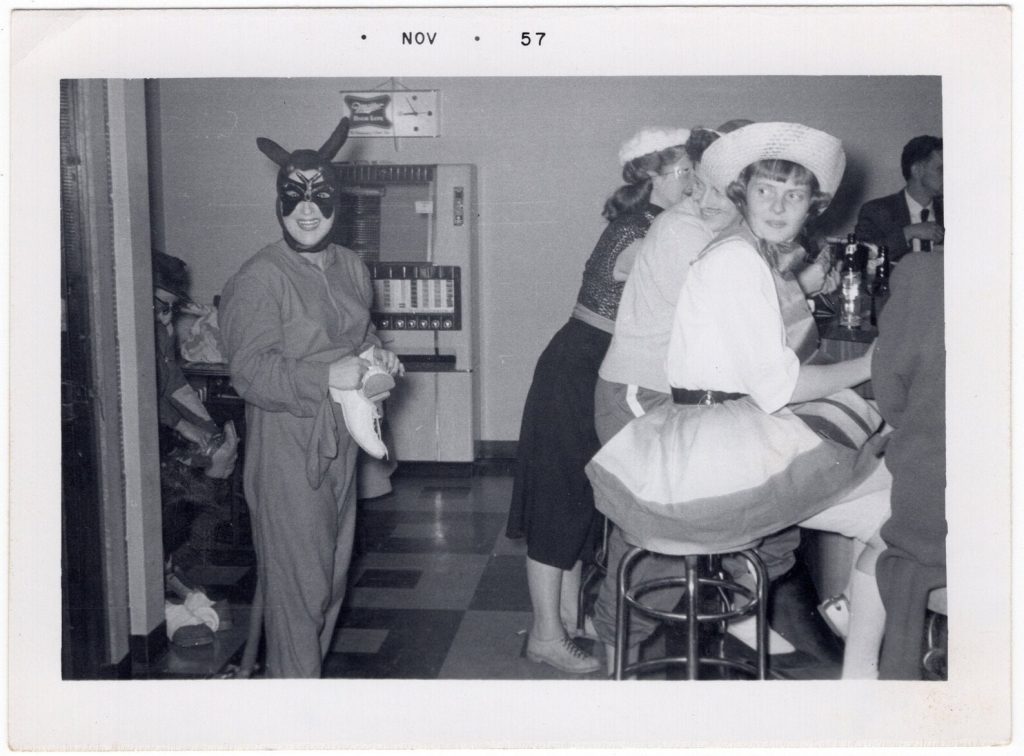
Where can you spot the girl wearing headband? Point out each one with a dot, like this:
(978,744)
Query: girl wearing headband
(552,504)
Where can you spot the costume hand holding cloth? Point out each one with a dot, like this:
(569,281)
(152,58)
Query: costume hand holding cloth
(690,476)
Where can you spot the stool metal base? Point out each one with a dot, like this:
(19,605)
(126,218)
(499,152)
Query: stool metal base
(725,591)
(934,661)
(592,573)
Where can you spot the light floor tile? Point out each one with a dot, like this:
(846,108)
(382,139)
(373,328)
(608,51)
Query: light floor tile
(355,640)
(447,581)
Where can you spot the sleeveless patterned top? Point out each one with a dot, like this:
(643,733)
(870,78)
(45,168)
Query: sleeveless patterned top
(600,292)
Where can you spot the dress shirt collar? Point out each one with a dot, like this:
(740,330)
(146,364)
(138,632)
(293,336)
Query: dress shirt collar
(916,207)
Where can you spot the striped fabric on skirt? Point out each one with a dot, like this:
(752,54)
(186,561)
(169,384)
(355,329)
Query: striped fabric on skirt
(692,479)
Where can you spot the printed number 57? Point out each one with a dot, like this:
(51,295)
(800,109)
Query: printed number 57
(527,39)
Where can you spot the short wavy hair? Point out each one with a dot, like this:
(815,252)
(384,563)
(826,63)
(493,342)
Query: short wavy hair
(917,150)
(778,170)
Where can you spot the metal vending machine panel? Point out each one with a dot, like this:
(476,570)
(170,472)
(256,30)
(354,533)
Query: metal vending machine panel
(414,226)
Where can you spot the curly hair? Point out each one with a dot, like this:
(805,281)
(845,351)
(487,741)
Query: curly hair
(637,175)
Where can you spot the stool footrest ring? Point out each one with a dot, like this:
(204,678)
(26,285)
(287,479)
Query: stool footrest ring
(653,665)
(696,587)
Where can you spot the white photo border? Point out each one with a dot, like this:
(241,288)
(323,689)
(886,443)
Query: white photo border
(967,46)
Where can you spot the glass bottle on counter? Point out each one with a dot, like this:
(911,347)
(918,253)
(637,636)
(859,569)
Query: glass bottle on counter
(850,254)
(849,315)
(880,286)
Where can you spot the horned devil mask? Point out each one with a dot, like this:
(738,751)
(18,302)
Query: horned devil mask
(307,190)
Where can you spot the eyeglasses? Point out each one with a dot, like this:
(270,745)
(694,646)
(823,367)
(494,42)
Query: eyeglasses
(678,171)
(160,307)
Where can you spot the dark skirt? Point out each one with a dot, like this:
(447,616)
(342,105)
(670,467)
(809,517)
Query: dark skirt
(552,501)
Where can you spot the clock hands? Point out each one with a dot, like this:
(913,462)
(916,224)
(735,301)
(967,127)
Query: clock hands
(412,108)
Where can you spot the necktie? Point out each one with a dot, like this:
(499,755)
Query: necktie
(926,246)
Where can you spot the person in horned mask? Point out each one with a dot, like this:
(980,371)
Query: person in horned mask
(296,326)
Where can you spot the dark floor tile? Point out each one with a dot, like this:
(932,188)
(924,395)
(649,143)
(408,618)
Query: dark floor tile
(455,491)
(390,578)
(503,586)
(446,581)
(449,470)
(494,468)
(236,585)
(415,647)
(424,532)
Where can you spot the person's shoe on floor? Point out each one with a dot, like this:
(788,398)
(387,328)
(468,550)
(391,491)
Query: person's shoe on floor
(562,654)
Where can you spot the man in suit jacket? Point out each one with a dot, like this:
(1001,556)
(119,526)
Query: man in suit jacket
(911,219)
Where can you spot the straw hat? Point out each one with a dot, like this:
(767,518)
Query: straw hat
(818,152)
(651,140)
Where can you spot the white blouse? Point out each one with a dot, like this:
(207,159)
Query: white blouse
(728,334)
(637,352)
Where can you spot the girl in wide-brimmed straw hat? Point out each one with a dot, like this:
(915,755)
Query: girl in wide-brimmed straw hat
(746,449)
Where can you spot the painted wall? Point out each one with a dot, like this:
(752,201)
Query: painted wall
(545,152)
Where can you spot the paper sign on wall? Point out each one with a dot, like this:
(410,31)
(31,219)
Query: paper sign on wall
(393,113)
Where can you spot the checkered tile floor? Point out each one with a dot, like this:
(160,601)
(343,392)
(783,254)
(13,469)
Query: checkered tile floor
(436,589)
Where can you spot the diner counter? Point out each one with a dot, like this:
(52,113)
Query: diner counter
(840,342)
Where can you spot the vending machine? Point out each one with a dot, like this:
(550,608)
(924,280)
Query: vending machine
(415,228)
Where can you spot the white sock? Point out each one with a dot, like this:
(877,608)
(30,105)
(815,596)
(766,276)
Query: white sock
(867,626)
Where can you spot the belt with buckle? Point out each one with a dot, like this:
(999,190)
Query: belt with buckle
(702,397)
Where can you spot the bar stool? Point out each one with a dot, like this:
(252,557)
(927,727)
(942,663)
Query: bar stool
(592,572)
(698,582)
(934,661)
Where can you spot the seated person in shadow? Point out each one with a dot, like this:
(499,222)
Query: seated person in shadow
(911,219)
(908,372)
(196,456)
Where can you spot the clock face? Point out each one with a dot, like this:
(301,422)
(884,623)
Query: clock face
(396,113)
(416,113)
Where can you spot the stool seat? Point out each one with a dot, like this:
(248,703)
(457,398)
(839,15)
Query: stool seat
(667,546)
(698,585)
(937,601)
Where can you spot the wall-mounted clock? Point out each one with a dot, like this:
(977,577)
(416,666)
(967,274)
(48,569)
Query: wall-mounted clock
(394,113)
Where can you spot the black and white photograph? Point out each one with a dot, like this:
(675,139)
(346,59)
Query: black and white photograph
(510,378)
